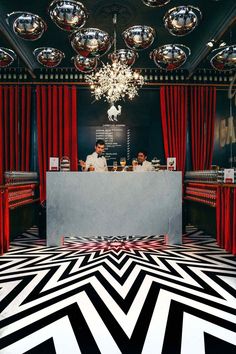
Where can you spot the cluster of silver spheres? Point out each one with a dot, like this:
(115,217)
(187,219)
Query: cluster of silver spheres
(92,43)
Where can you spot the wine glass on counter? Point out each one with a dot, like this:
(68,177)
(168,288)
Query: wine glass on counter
(134,163)
(123,163)
(115,166)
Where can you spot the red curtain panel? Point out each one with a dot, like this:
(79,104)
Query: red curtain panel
(226,218)
(4,221)
(57,127)
(202,117)
(173,101)
(15,108)
(234,223)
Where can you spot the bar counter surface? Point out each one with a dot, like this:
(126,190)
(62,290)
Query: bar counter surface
(114,204)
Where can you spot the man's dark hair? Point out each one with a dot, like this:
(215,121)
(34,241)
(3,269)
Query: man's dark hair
(100,142)
(142,152)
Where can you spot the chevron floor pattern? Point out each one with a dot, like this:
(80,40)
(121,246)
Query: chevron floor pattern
(120,295)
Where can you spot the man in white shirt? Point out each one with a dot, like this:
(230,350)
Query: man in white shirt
(96,161)
(143,164)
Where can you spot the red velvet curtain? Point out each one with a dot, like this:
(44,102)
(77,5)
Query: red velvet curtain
(57,127)
(174,122)
(4,221)
(15,108)
(202,116)
(226,218)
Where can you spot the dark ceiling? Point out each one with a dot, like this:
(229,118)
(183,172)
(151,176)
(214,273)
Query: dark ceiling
(218,22)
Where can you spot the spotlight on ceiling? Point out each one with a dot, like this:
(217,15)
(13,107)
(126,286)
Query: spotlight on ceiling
(224,59)
(211,43)
(139,37)
(69,15)
(26,25)
(170,56)
(85,65)
(49,57)
(124,56)
(7,56)
(222,44)
(90,42)
(182,20)
(155,3)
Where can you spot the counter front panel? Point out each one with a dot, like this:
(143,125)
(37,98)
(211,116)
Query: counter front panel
(114,204)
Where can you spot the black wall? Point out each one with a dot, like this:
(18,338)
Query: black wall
(140,118)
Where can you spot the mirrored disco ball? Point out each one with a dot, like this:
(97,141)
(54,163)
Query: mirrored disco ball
(90,42)
(7,56)
(170,56)
(85,65)
(49,57)
(224,59)
(68,15)
(28,26)
(139,37)
(124,56)
(182,20)
(155,3)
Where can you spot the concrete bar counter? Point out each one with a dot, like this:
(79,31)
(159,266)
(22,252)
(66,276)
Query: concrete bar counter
(114,204)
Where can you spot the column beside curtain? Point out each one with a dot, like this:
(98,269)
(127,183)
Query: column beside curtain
(57,127)
(173,101)
(202,117)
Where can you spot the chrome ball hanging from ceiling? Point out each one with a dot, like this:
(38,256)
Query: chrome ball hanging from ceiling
(48,57)
(85,65)
(139,37)
(90,42)
(170,56)
(7,57)
(224,59)
(182,20)
(68,15)
(124,56)
(27,26)
(155,3)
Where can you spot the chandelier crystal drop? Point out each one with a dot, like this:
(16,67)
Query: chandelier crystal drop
(114,82)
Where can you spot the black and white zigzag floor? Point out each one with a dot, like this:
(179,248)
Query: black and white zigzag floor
(119,295)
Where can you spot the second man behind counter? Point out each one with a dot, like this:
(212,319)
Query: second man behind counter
(143,164)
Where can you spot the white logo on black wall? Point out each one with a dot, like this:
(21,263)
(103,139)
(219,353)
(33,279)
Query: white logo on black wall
(113,113)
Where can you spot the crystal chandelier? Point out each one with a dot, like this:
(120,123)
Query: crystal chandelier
(115,81)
